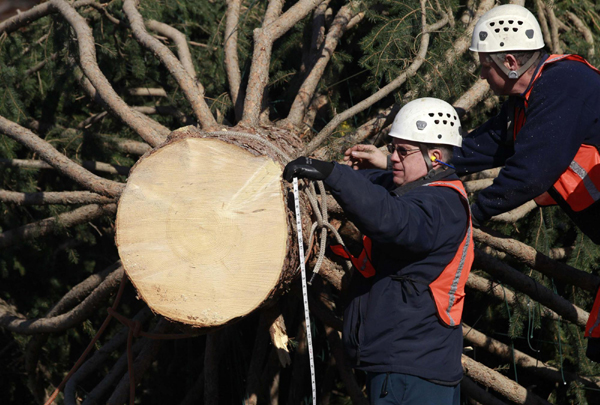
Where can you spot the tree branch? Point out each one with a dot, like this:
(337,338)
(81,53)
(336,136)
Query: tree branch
(516,214)
(556,48)
(584,30)
(263,46)
(561,272)
(232,64)
(499,383)
(59,323)
(532,288)
(89,165)
(385,91)
(477,393)
(473,96)
(193,90)
(52,197)
(180,40)
(541,13)
(48,225)
(59,161)
(89,65)
(307,90)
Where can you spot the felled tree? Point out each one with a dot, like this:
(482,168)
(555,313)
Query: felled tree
(184,115)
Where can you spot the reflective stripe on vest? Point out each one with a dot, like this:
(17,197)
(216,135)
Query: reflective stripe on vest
(592,328)
(362,263)
(448,289)
(579,184)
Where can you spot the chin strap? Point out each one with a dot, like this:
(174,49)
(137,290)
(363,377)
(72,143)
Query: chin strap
(430,170)
(514,74)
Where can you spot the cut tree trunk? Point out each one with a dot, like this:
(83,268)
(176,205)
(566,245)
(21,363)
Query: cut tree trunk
(204,228)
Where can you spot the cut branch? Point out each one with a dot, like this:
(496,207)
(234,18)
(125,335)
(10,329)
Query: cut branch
(473,96)
(584,30)
(554,25)
(561,272)
(59,161)
(40,11)
(192,89)
(54,197)
(516,214)
(499,383)
(17,324)
(385,91)
(307,90)
(48,225)
(92,166)
(532,288)
(541,13)
(89,65)
(232,64)
(148,92)
(178,37)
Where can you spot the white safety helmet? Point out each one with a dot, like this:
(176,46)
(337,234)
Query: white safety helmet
(507,28)
(428,120)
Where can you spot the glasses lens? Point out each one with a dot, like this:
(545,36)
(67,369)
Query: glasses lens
(400,149)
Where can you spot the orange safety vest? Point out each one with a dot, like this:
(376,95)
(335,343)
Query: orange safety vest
(579,184)
(448,289)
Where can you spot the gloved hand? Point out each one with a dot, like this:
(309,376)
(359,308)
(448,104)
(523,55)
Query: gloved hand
(307,168)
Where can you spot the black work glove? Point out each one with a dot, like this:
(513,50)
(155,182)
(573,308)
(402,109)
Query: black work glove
(307,168)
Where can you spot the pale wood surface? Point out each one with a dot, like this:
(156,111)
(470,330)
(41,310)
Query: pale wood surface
(202,230)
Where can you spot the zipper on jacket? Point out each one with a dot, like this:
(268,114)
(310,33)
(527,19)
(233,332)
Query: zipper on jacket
(384,391)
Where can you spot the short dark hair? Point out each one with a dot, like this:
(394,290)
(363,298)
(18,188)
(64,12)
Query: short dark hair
(447,150)
(522,57)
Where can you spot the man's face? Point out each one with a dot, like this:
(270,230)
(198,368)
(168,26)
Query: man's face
(493,75)
(407,168)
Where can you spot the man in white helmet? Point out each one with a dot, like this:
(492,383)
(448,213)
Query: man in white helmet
(405,300)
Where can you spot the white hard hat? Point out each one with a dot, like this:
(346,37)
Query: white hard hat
(507,28)
(428,120)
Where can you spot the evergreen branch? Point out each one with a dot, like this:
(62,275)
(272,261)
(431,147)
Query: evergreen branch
(232,64)
(319,20)
(385,91)
(89,65)
(499,383)
(59,323)
(554,25)
(521,359)
(308,87)
(501,293)
(180,40)
(35,13)
(472,96)
(192,89)
(54,197)
(526,254)
(540,9)
(319,101)
(532,288)
(263,40)
(40,65)
(59,161)
(147,92)
(91,92)
(89,165)
(475,392)
(49,225)
(514,215)
(100,357)
(584,30)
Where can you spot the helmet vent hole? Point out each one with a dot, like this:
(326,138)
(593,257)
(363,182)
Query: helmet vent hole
(441,114)
(439,136)
(455,118)
(447,115)
(431,114)
(445,122)
(501,43)
(501,22)
(492,24)
(452,124)
(505,29)
(497,30)
(510,21)
(515,29)
(520,22)
(437,121)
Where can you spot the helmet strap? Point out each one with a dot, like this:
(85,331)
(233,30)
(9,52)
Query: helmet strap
(514,74)
(428,162)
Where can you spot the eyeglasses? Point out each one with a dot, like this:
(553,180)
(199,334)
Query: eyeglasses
(402,151)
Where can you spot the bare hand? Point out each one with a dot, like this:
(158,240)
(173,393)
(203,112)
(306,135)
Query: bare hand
(365,157)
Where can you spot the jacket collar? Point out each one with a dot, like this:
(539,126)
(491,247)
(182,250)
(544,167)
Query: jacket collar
(399,191)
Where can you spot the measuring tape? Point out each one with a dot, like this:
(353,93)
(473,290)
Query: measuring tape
(305,293)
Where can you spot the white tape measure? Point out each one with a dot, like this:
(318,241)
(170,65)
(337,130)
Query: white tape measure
(305,293)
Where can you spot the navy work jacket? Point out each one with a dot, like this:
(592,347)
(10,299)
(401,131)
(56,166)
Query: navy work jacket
(390,323)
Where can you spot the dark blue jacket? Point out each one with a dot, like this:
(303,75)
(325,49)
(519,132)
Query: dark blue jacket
(563,113)
(391,325)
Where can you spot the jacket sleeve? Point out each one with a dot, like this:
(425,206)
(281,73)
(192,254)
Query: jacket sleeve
(486,147)
(413,220)
(558,120)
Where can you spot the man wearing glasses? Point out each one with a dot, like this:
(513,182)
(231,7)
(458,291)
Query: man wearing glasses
(402,321)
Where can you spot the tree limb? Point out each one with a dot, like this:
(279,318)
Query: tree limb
(59,323)
(180,40)
(89,165)
(499,383)
(526,254)
(556,48)
(232,64)
(307,90)
(516,214)
(532,288)
(192,89)
(148,92)
(385,91)
(48,225)
(584,30)
(474,391)
(541,13)
(473,96)
(89,65)
(59,161)
(54,197)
